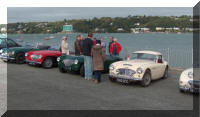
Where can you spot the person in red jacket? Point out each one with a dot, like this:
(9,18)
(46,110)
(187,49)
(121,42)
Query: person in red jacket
(115,48)
(95,41)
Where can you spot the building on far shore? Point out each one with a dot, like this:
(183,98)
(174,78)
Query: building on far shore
(67,28)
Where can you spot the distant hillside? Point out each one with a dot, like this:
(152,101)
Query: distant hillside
(109,25)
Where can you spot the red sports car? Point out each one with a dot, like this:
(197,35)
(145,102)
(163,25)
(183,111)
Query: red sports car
(46,58)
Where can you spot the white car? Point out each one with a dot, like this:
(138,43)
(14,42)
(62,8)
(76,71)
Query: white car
(143,66)
(187,82)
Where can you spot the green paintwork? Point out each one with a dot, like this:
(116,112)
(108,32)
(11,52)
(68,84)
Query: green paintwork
(17,50)
(76,67)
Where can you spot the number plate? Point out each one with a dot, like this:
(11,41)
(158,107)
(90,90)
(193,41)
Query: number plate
(122,80)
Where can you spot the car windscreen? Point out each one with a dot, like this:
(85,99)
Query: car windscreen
(2,42)
(144,56)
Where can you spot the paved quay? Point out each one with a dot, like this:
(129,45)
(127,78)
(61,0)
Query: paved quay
(34,88)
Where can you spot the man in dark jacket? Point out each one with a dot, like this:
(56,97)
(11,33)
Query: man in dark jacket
(77,46)
(111,41)
(87,46)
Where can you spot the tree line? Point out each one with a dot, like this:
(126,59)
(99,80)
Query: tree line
(103,24)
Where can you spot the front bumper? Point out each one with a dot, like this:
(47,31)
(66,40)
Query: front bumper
(125,79)
(32,62)
(6,58)
(193,90)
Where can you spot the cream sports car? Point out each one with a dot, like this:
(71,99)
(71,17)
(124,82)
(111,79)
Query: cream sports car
(143,66)
(187,82)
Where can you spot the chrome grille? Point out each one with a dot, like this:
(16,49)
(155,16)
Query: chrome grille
(127,72)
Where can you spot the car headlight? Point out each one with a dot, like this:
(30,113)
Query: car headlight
(26,54)
(190,82)
(76,61)
(111,67)
(139,70)
(190,74)
(58,59)
(10,53)
(1,51)
(40,56)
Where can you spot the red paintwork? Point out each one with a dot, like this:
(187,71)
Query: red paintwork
(44,53)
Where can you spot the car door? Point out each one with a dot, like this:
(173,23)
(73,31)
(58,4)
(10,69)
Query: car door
(161,66)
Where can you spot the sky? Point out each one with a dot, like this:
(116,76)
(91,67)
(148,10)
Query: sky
(36,14)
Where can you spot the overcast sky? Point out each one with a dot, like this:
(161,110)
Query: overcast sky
(28,14)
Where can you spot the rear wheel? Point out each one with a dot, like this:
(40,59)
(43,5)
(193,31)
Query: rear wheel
(47,63)
(82,71)
(165,73)
(20,58)
(146,80)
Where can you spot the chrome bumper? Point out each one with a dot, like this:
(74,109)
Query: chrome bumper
(32,62)
(125,77)
(6,58)
(193,90)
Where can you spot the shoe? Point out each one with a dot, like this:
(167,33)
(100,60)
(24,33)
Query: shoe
(96,81)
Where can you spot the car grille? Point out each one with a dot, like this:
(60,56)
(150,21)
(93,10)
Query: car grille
(34,57)
(127,72)
(68,62)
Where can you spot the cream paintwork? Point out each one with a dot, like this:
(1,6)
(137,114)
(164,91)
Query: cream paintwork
(183,80)
(157,69)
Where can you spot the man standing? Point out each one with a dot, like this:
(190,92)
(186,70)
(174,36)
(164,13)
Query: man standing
(81,43)
(64,46)
(111,41)
(103,44)
(87,46)
(77,46)
(95,41)
(115,48)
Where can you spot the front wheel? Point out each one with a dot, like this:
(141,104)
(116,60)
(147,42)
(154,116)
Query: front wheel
(47,63)
(111,79)
(146,80)
(82,71)
(20,58)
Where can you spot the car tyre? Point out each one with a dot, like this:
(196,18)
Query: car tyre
(181,90)
(146,80)
(20,58)
(111,79)
(62,70)
(82,71)
(166,73)
(47,63)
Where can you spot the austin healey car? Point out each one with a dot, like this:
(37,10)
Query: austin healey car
(143,66)
(45,58)
(72,63)
(187,83)
(17,54)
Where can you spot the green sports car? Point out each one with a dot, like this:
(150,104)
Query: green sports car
(17,54)
(72,63)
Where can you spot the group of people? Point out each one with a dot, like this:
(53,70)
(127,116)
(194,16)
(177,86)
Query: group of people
(94,52)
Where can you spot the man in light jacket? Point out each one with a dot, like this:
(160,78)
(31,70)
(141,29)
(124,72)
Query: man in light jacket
(64,46)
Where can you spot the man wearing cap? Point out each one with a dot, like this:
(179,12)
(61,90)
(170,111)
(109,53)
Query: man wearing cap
(115,48)
(64,46)
(87,46)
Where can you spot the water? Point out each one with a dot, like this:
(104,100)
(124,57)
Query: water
(175,47)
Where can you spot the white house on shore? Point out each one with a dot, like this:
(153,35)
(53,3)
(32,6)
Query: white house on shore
(159,28)
(120,29)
